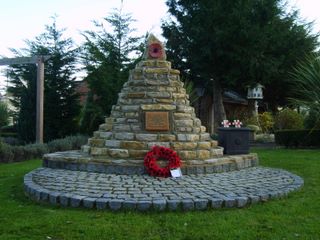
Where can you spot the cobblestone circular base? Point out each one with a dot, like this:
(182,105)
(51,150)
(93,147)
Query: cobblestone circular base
(142,192)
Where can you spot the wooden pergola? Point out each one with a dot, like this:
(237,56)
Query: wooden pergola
(39,61)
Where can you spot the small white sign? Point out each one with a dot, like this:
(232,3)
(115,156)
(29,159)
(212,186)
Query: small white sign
(176,172)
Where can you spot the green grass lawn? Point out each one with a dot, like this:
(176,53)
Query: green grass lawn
(294,217)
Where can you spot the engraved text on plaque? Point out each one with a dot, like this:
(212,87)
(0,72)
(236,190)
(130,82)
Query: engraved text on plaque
(157,121)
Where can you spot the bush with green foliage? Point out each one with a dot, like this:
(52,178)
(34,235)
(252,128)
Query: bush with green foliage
(253,127)
(288,119)
(67,143)
(312,120)
(298,138)
(266,122)
(306,93)
(9,153)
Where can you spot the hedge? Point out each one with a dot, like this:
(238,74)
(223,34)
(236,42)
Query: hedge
(298,138)
(9,153)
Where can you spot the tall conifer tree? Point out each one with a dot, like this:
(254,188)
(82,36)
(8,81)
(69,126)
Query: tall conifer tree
(61,105)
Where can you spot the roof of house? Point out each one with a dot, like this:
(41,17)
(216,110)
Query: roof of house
(234,97)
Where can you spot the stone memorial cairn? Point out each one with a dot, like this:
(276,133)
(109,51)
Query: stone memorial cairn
(152,110)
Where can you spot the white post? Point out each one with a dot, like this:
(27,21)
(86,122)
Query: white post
(40,87)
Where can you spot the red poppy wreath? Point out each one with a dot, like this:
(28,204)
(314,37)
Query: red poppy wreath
(150,161)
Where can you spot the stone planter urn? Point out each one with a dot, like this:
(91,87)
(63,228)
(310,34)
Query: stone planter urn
(234,140)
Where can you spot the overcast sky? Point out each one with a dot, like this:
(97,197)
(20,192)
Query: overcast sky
(25,19)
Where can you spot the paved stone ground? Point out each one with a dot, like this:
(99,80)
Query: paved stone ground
(142,192)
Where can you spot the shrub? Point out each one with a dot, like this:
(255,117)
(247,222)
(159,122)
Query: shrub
(298,138)
(255,128)
(10,153)
(67,143)
(266,122)
(6,153)
(312,120)
(288,119)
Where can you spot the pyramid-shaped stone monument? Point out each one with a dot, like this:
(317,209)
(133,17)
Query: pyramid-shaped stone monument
(153,109)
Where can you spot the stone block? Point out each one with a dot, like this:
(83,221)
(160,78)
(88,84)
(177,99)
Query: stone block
(156,82)
(229,202)
(183,123)
(121,128)
(146,137)
(187,204)
(105,127)
(120,120)
(91,167)
(116,114)
(129,204)
(135,127)
(118,153)
(75,201)
(187,155)
(203,129)
(184,145)
(159,94)
(124,136)
(204,145)
(131,114)
(98,151)
(179,95)
(105,135)
(143,205)
(188,137)
(197,122)
(205,137)
(164,100)
(200,204)
(115,204)
(216,202)
(132,145)
(173,204)
(214,143)
(136,95)
(167,137)
(85,148)
(203,154)
(254,199)
(110,120)
(89,202)
(242,202)
(165,107)
(44,196)
(159,205)
(112,143)
(137,153)
(96,142)
(102,203)
(156,70)
(54,198)
(185,109)
(196,130)
(130,108)
(164,144)
(181,116)
(132,120)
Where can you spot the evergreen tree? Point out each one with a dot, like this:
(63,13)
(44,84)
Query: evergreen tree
(106,55)
(236,44)
(61,106)
(4,115)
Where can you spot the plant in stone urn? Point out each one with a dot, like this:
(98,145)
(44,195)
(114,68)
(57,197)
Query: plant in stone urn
(234,140)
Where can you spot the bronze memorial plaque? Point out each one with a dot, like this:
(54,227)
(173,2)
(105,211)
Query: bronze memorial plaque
(157,121)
